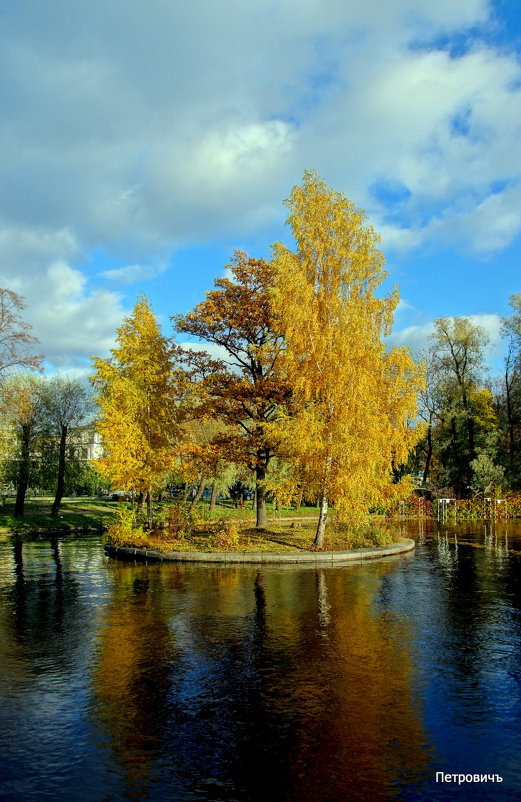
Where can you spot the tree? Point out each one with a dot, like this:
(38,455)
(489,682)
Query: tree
(245,388)
(204,455)
(430,400)
(512,388)
(138,390)
(48,463)
(21,405)
(356,400)
(486,475)
(15,337)
(458,362)
(65,405)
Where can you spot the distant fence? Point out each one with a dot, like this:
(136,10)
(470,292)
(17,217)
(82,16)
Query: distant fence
(502,507)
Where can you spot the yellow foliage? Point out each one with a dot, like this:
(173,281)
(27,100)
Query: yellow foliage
(137,395)
(354,400)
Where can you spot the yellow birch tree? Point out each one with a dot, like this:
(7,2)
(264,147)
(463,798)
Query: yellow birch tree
(137,392)
(357,400)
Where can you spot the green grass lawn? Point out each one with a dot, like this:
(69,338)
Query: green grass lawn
(226,529)
(88,512)
(74,513)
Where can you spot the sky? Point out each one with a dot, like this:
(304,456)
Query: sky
(141,142)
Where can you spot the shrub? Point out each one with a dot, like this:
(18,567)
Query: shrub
(226,536)
(177,523)
(124,532)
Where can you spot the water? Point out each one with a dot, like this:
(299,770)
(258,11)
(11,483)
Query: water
(172,682)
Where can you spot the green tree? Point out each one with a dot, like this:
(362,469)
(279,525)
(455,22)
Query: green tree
(48,464)
(510,403)
(466,419)
(356,401)
(65,404)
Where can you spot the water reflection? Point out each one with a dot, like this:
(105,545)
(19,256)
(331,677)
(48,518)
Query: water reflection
(284,684)
(35,609)
(230,682)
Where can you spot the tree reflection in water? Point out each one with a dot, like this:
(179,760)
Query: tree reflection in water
(230,682)
(39,606)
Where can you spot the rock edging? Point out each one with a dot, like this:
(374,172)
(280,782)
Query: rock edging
(244,557)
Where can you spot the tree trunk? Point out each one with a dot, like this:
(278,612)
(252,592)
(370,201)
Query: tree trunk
(470,426)
(429,455)
(213,498)
(140,502)
(322,516)
(254,501)
(322,520)
(260,491)
(510,424)
(23,473)
(185,493)
(298,501)
(149,508)
(198,494)
(61,472)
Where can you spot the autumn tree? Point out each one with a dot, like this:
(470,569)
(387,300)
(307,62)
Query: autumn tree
(65,404)
(16,340)
(244,387)
(204,455)
(137,393)
(357,399)
(22,409)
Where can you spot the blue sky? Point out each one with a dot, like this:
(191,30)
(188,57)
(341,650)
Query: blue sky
(142,142)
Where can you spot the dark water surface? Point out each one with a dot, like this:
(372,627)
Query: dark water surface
(122,681)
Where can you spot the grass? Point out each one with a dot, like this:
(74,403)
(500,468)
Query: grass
(246,513)
(74,514)
(226,529)
(226,536)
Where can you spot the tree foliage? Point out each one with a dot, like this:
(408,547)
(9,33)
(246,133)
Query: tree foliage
(21,407)
(244,387)
(510,398)
(357,400)
(65,404)
(138,391)
(465,413)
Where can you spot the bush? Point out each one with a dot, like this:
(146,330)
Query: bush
(124,532)
(226,536)
(361,537)
(177,523)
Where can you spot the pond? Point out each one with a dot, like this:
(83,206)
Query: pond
(190,682)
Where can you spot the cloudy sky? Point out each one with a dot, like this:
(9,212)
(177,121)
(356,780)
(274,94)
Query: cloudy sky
(143,140)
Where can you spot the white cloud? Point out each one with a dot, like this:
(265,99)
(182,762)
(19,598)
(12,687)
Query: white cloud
(215,351)
(130,274)
(417,338)
(136,128)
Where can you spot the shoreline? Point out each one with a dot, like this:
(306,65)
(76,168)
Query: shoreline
(244,557)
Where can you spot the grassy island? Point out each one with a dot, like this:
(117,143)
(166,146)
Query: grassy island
(179,529)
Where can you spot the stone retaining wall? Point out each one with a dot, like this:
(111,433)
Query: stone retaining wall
(310,557)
